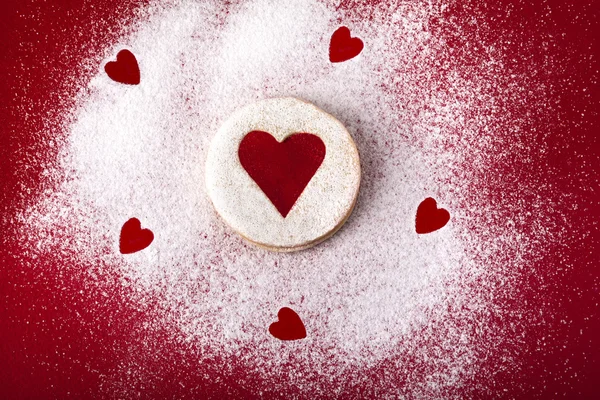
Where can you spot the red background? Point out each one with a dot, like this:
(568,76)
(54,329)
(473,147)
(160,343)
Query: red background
(54,345)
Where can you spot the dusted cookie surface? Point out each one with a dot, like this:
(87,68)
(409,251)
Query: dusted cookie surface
(283,174)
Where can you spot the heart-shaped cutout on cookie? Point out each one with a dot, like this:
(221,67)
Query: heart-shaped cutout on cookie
(133,238)
(289,326)
(429,217)
(281,170)
(344,47)
(125,69)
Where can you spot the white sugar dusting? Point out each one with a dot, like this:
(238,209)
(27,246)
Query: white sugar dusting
(374,292)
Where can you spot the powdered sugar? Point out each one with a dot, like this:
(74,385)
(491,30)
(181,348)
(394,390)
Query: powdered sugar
(374,292)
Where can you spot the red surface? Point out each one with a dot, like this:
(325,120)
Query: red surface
(343,47)
(59,344)
(125,69)
(281,170)
(429,218)
(289,326)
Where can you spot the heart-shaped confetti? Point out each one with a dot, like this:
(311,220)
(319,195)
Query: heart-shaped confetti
(429,217)
(133,238)
(281,170)
(125,69)
(289,326)
(343,47)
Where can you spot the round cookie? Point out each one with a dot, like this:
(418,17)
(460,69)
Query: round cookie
(283,174)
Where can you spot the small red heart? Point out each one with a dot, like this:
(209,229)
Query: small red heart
(289,326)
(429,217)
(281,170)
(133,237)
(343,47)
(125,69)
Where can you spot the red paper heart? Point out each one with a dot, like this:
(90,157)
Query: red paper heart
(125,69)
(281,170)
(133,237)
(343,47)
(289,326)
(429,217)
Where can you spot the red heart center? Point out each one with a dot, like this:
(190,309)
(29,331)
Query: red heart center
(281,170)
(133,237)
(289,326)
(429,217)
(343,47)
(125,69)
